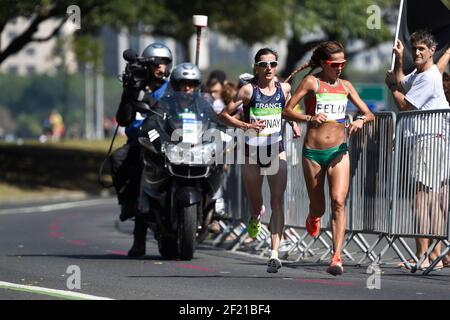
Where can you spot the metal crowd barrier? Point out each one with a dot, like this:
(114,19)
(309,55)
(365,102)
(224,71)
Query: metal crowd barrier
(420,203)
(236,205)
(371,170)
(387,172)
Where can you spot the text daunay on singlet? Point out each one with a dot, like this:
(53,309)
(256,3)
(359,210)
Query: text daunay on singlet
(269,123)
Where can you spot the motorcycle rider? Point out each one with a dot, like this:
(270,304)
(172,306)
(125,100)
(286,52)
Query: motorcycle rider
(184,94)
(185,89)
(127,179)
(185,77)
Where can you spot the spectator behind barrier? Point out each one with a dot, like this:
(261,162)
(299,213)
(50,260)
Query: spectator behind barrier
(215,83)
(422,89)
(442,65)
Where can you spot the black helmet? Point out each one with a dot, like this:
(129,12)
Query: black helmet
(185,71)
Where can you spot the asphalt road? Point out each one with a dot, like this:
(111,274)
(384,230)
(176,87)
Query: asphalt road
(38,244)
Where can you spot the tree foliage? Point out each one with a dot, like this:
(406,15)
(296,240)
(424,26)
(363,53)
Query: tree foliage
(304,23)
(36,96)
(94,14)
(249,21)
(339,20)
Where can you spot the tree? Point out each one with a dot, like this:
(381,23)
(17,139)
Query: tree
(94,14)
(249,21)
(339,20)
(172,18)
(7,124)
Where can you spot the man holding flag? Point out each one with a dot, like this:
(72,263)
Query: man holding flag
(432,15)
(422,89)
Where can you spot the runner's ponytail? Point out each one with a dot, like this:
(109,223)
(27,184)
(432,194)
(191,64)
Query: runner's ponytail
(302,67)
(321,53)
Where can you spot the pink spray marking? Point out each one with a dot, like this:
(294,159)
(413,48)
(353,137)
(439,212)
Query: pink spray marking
(55,234)
(190,266)
(78,243)
(55,228)
(118,252)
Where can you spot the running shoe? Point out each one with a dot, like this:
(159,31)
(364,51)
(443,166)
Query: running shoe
(254,226)
(273,265)
(335,268)
(313,225)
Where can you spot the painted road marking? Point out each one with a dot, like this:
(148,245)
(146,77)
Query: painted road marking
(58,206)
(64,294)
(118,252)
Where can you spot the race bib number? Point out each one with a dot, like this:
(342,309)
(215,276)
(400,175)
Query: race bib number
(270,117)
(191,128)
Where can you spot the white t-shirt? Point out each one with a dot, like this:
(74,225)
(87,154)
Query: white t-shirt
(425,91)
(218,105)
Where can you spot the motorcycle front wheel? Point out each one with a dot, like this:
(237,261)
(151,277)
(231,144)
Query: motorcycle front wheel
(187,232)
(167,247)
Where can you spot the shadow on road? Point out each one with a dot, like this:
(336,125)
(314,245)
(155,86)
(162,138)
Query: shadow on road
(210,276)
(108,256)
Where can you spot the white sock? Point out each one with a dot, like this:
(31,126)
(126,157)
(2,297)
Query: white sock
(274,254)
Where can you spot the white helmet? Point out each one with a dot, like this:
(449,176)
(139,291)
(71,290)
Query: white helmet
(185,71)
(158,50)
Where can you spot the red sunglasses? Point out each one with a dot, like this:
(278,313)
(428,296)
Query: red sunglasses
(336,64)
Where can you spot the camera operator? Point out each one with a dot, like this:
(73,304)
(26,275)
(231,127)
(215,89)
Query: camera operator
(144,81)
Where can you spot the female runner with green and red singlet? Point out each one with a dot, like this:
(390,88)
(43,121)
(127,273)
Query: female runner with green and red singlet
(325,153)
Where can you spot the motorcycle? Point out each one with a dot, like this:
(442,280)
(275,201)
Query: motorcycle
(181,180)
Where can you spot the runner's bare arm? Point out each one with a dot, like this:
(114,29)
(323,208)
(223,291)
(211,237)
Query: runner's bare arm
(308,84)
(287,94)
(358,102)
(361,105)
(244,95)
(286,90)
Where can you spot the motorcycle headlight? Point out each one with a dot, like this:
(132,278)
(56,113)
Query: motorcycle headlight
(203,154)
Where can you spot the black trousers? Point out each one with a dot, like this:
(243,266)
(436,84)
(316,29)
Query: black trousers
(126,168)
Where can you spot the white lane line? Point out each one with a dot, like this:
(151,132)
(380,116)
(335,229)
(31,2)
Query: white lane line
(50,292)
(58,206)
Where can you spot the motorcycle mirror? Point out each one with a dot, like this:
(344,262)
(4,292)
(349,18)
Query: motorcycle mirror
(141,107)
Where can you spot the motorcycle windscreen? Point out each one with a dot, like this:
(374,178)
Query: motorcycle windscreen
(187,116)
